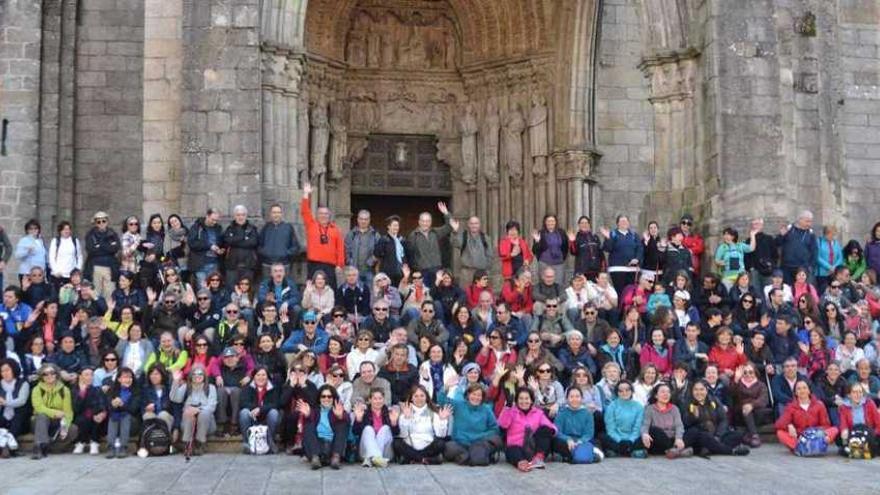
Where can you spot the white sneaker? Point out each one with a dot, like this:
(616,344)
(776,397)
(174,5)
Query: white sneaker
(94,448)
(598,454)
(79,448)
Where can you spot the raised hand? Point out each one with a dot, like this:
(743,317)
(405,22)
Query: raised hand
(303,407)
(520,373)
(307,189)
(442,207)
(394,415)
(445,412)
(338,409)
(484,341)
(455,224)
(536,235)
(533,383)
(571,235)
(605,232)
(151,295)
(406,409)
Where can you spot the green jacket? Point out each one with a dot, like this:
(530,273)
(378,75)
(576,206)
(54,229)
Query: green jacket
(50,401)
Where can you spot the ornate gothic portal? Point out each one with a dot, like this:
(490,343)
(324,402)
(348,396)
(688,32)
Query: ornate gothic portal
(499,91)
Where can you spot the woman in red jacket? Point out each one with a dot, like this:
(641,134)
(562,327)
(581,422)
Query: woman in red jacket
(513,251)
(725,354)
(495,353)
(517,293)
(869,417)
(804,411)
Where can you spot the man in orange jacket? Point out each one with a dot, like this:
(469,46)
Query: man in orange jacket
(325,249)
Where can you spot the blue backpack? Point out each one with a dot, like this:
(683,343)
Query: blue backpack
(812,443)
(582,453)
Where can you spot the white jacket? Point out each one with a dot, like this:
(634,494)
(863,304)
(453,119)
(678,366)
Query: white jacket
(422,428)
(65,255)
(426,380)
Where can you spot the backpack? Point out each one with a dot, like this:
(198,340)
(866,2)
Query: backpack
(811,443)
(464,239)
(258,439)
(155,438)
(858,445)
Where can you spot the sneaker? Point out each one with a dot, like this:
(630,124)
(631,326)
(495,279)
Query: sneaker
(740,450)
(598,454)
(538,462)
(94,448)
(686,452)
(79,448)
(380,462)
(640,454)
(334,462)
(367,463)
(755,441)
(316,463)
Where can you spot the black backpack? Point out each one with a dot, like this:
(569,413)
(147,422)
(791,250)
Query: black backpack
(156,438)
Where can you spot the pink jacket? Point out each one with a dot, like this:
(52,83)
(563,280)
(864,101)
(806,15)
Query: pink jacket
(515,422)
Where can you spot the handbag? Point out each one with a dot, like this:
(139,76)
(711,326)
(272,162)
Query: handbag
(258,439)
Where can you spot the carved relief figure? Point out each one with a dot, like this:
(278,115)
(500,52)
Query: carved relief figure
(339,130)
(491,128)
(468,129)
(513,148)
(320,139)
(538,134)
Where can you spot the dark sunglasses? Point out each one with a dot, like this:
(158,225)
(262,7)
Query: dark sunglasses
(687,222)
(533,341)
(338,316)
(101,220)
(417,277)
(202,345)
(109,360)
(312,322)
(591,312)
(550,306)
(380,309)
(326,396)
(544,370)
(232,311)
(427,311)
(169,302)
(338,375)
(202,298)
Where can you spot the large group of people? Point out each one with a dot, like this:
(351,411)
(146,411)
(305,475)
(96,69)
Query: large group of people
(641,344)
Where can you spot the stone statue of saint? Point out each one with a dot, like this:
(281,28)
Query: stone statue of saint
(339,131)
(320,139)
(538,134)
(514,125)
(468,128)
(491,128)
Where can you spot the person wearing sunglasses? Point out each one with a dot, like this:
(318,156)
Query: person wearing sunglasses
(198,398)
(310,337)
(325,429)
(427,324)
(336,376)
(52,403)
(552,324)
(232,325)
(204,318)
(130,255)
(102,246)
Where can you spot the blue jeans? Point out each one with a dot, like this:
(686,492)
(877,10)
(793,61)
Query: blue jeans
(272,419)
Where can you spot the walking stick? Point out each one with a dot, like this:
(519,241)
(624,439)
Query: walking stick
(769,388)
(187,451)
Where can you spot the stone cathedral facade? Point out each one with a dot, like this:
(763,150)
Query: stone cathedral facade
(726,109)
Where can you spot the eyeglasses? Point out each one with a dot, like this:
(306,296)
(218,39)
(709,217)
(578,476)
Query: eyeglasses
(748,301)
(427,310)
(748,372)
(591,313)
(544,370)
(326,396)
(550,305)
(213,280)
(170,274)
(381,310)
(624,389)
(232,311)
(339,316)
(202,345)
(202,298)
(533,341)
(49,373)
(337,375)
(834,286)
(417,277)
(364,339)
(238,344)
(297,370)
(133,223)
(169,302)
(101,220)
(494,337)
(687,222)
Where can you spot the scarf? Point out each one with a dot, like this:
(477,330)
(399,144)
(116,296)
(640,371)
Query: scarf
(437,377)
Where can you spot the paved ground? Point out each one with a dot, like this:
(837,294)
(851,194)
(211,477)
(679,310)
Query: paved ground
(769,470)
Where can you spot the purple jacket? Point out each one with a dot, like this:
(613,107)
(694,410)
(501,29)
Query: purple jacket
(872,255)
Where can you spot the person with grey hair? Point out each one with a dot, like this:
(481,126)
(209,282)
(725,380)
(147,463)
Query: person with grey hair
(360,243)
(241,239)
(199,400)
(424,254)
(799,246)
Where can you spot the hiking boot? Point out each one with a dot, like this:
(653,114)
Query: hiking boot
(611,454)
(686,452)
(755,441)
(316,463)
(334,462)
(740,450)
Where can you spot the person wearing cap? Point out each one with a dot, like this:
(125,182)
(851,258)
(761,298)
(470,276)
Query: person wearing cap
(259,405)
(199,400)
(325,247)
(53,412)
(683,311)
(206,246)
(311,337)
(230,377)
(692,240)
(102,246)
(676,256)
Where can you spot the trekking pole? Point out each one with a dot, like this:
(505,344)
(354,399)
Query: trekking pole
(769,388)
(187,451)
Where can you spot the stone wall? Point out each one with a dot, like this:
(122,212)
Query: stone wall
(624,119)
(20,36)
(109,110)
(220,114)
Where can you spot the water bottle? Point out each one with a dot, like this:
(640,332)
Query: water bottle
(117,445)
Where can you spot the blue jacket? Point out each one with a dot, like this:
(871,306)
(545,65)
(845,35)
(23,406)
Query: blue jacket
(287,292)
(149,396)
(798,248)
(278,243)
(574,424)
(622,248)
(472,423)
(623,420)
(516,327)
(319,346)
(11,317)
(824,267)
(570,361)
(782,393)
(783,346)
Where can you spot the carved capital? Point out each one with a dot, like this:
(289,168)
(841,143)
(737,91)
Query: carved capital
(673,74)
(273,70)
(574,164)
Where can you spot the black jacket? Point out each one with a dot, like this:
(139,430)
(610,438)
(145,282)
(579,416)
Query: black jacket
(353,299)
(149,396)
(401,382)
(199,246)
(386,253)
(587,251)
(290,394)
(676,258)
(101,248)
(765,251)
(241,241)
(709,417)
(274,362)
(249,399)
(94,400)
